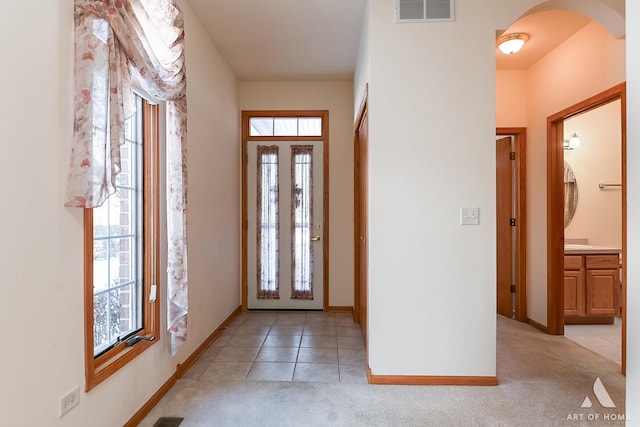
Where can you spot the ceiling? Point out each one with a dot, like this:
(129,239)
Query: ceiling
(306,40)
(285,40)
(546,31)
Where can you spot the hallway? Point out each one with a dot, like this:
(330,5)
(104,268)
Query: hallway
(286,346)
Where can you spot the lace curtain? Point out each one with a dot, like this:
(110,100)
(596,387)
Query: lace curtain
(268,223)
(113,40)
(301,222)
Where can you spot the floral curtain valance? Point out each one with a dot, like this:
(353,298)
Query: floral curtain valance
(113,40)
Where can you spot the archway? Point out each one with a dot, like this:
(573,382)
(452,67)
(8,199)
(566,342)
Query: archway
(610,17)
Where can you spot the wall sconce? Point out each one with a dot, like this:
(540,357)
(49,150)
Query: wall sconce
(511,43)
(572,143)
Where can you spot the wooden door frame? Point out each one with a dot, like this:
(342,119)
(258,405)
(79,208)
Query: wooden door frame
(324,114)
(363,112)
(520,148)
(555,207)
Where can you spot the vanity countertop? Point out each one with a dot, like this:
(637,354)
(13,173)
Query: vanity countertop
(576,249)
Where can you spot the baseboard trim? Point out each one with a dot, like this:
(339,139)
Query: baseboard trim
(181,368)
(537,325)
(339,309)
(153,401)
(189,361)
(430,380)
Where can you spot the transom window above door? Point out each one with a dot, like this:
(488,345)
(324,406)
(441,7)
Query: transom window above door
(285,126)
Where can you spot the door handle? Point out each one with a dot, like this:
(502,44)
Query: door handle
(315,239)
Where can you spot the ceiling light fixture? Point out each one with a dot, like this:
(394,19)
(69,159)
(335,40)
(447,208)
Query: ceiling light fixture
(572,143)
(511,43)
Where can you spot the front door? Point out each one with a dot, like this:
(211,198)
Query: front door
(285,225)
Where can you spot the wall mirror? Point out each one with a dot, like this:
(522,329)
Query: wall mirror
(570,194)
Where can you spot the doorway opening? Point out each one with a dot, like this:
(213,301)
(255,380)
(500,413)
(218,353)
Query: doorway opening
(511,221)
(602,289)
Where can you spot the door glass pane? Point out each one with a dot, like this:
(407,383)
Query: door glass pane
(267,223)
(301,222)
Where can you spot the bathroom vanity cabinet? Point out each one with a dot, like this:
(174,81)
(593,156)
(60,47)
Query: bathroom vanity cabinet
(591,284)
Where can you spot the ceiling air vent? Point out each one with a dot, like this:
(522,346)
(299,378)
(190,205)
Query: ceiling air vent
(424,10)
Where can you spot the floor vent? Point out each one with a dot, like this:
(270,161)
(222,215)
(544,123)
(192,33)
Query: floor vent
(424,10)
(168,422)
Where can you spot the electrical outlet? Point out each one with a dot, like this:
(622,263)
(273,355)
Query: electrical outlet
(69,401)
(469,216)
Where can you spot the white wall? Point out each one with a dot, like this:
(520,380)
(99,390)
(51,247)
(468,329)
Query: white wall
(633,211)
(214,185)
(598,214)
(337,97)
(41,260)
(362,73)
(432,282)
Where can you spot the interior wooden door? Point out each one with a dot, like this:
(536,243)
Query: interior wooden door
(361,220)
(505,231)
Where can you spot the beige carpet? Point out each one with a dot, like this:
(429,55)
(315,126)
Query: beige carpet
(543,382)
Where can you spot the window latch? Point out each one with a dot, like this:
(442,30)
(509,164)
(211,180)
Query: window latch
(152,293)
(136,338)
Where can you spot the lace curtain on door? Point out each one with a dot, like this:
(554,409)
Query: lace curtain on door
(301,222)
(268,223)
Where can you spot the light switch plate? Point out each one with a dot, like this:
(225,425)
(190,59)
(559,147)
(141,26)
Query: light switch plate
(469,216)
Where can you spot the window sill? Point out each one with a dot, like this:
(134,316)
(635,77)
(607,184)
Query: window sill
(106,365)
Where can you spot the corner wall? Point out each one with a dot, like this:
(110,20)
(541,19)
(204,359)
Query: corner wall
(362,73)
(432,283)
(337,97)
(41,260)
(633,211)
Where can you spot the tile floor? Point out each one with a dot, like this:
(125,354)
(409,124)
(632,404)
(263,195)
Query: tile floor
(605,340)
(286,346)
